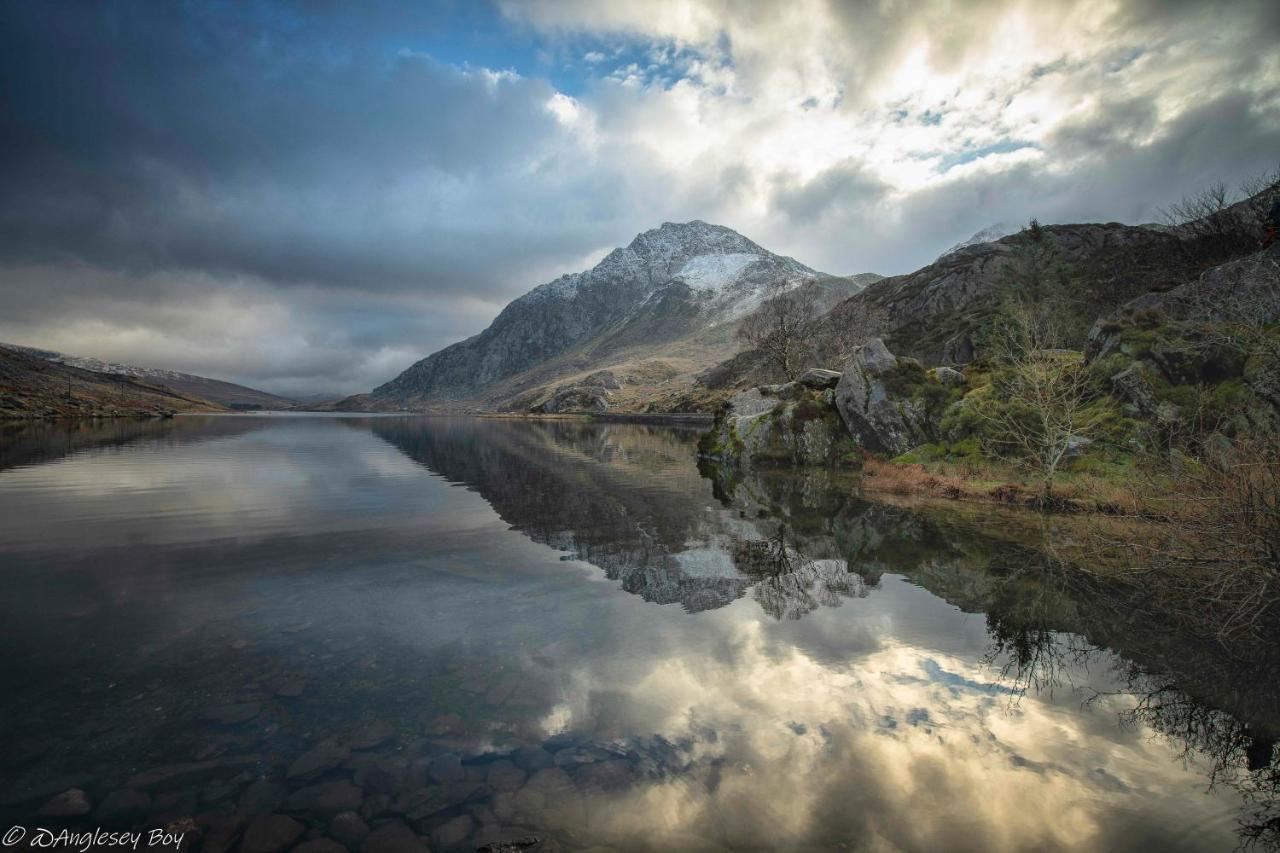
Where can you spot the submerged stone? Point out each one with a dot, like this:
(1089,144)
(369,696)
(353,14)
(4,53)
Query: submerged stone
(324,756)
(269,833)
(349,829)
(70,803)
(394,837)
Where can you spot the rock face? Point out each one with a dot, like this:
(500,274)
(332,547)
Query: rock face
(577,398)
(778,424)
(933,314)
(665,284)
(819,379)
(1246,290)
(871,405)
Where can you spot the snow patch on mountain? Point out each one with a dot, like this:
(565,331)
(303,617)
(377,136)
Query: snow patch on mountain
(715,272)
(96,365)
(987,235)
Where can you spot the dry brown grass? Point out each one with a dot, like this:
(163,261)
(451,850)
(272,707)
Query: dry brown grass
(993,483)
(888,478)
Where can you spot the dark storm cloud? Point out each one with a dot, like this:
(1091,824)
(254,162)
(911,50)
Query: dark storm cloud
(847,186)
(150,136)
(310,196)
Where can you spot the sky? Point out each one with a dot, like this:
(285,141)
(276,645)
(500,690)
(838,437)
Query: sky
(307,197)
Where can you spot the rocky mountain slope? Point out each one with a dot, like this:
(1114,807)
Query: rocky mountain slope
(227,394)
(652,313)
(35,387)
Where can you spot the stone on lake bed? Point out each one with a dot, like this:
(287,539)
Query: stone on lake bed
(289,686)
(269,833)
(324,756)
(326,797)
(320,845)
(444,724)
(607,775)
(447,768)
(370,734)
(219,831)
(349,829)
(532,758)
(551,779)
(504,776)
(453,832)
(263,795)
(70,803)
(122,806)
(384,776)
(574,755)
(376,805)
(191,773)
(233,714)
(394,837)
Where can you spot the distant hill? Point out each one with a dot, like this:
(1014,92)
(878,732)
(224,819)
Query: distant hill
(226,394)
(36,387)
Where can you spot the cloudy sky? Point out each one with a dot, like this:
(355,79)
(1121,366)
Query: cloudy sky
(307,197)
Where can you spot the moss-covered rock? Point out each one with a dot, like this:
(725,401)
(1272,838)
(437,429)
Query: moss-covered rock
(787,424)
(891,404)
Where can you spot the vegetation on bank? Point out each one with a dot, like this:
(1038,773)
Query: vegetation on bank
(1163,416)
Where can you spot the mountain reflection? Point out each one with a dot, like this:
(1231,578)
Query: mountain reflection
(628,501)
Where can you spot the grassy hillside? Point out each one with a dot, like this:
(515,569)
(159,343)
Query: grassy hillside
(32,387)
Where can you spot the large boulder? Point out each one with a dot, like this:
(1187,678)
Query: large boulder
(578,398)
(777,424)
(819,379)
(879,401)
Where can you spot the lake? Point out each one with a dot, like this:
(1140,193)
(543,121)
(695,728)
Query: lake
(470,630)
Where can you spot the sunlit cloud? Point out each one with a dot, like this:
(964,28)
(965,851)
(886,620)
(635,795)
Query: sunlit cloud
(334,163)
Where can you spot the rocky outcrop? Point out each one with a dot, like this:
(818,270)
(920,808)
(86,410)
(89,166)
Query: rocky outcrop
(577,398)
(1245,291)
(880,402)
(935,313)
(792,424)
(873,405)
(819,379)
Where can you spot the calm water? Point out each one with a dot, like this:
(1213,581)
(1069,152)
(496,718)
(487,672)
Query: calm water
(491,629)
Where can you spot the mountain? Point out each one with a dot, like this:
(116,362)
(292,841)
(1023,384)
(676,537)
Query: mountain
(35,387)
(990,234)
(938,313)
(651,314)
(185,385)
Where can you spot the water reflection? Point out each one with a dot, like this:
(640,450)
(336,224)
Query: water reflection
(230,616)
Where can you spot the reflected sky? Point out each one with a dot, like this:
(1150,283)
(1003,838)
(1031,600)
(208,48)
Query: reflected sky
(775,663)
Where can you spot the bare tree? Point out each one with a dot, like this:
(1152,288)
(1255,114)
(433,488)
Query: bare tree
(1208,551)
(1259,190)
(1036,411)
(1213,223)
(840,333)
(781,327)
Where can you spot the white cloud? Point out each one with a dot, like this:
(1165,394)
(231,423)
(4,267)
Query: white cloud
(376,208)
